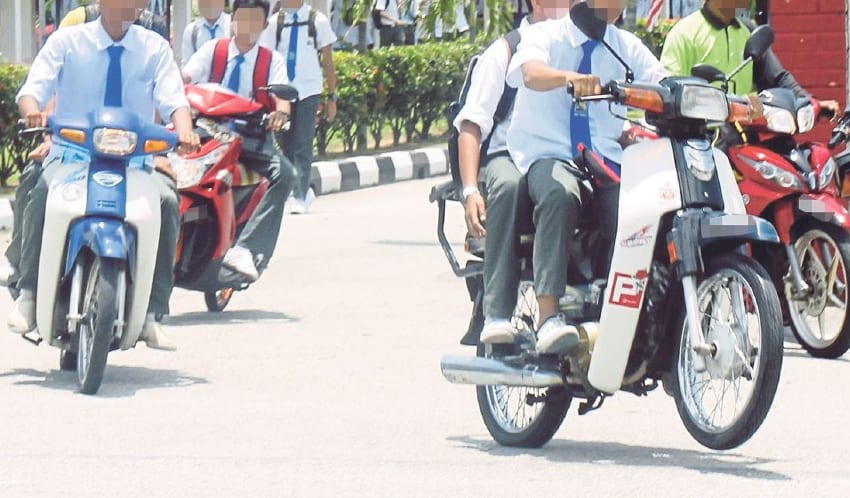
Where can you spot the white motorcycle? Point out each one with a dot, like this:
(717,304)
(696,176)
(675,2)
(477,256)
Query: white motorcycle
(100,238)
(682,302)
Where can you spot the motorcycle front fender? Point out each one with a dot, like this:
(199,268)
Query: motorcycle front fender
(108,238)
(717,226)
(825,207)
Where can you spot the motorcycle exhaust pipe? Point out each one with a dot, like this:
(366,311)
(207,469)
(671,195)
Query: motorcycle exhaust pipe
(489,372)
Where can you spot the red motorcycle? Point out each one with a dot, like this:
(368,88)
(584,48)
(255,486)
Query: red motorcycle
(217,193)
(795,186)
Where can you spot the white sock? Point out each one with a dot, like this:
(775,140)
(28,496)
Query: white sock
(496,321)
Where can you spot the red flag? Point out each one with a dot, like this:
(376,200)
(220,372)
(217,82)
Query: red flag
(654,13)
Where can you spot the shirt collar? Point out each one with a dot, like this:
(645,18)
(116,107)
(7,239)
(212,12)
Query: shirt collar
(250,55)
(575,35)
(525,22)
(104,41)
(302,12)
(715,21)
(217,22)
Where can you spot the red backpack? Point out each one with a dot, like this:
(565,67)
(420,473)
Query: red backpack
(262,69)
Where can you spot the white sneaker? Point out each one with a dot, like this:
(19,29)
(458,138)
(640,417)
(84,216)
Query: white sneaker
(556,336)
(498,332)
(309,198)
(241,261)
(22,318)
(297,207)
(8,274)
(153,335)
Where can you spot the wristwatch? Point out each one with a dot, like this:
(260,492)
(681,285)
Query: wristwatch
(467,191)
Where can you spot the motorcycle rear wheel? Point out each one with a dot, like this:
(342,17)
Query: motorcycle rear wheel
(95,332)
(524,417)
(218,300)
(740,316)
(825,270)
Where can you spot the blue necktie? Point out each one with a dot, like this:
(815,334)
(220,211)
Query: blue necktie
(580,119)
(113,77)
(211,30)
(293,48)
(233,84)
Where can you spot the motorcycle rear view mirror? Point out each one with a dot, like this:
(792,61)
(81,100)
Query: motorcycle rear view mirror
(708,72)
(760,41)
(283,92)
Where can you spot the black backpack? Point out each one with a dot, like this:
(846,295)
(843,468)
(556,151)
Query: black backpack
(376,15)
(506,103)
(310,23)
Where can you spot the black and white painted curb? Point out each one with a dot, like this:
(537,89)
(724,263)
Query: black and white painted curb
(347,174)
(368,171)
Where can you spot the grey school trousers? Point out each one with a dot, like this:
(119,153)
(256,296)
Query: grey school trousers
(298,142)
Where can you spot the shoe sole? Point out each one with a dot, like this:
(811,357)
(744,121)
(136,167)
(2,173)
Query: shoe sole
(560,345)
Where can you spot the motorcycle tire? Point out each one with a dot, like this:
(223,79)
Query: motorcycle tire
(760,366)
(822,347)
(67,360)
(218,300)
(95,332)
(543,422)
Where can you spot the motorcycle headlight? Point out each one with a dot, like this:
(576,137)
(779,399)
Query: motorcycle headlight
(703,102)
(189,172)
(115,142)
(806,118)
(775,174)
(780,120)
(827,173)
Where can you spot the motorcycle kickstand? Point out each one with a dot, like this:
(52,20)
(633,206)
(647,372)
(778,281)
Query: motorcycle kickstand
(593,403)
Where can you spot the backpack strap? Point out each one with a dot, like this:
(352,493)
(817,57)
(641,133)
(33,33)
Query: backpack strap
(219,60)
(262,70)
(195,30)
(92,12)
(506,102)
(310,22)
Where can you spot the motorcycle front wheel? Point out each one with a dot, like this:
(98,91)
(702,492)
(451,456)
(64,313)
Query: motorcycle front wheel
(525,417)
(95,332)
(723,404)
(218,300)
(820,322)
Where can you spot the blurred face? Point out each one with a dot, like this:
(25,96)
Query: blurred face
(731,4)
(607,10)
(248,24)
(211,9)
(553,9)
(124,11)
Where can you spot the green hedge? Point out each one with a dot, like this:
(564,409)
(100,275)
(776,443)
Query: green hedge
(13,150)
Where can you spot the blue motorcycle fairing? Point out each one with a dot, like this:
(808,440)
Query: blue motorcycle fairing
(107,188)
(105,237)
(115,118)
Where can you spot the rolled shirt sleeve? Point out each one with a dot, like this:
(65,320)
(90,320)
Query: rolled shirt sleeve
(168,90)
(197,68)
(485,89)
(41,80)
(534,46)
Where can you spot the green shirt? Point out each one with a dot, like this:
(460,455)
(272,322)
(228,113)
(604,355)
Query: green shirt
(700,38)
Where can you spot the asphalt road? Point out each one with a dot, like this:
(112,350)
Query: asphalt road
(323,379)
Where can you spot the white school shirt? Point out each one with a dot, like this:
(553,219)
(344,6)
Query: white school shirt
(540,125)
(485,90)
(200,65)
(73,65)
(390,7)
(222,30)
(309,79)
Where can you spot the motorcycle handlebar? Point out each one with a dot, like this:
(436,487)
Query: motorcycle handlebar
(841,132)
(22,131)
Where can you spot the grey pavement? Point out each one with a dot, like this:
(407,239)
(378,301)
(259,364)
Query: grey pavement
(323,379)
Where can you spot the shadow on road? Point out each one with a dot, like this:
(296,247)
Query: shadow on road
(228,317)
(118,381)
(601,453)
